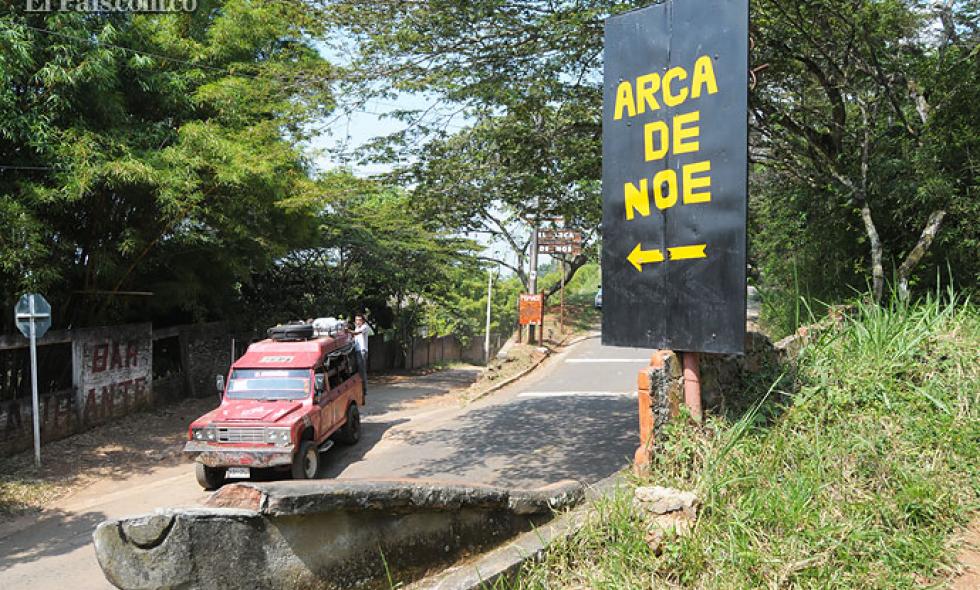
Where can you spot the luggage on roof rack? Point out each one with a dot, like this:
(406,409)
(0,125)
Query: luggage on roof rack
(291,332)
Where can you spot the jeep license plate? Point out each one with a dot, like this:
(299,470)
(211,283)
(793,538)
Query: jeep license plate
(238,472)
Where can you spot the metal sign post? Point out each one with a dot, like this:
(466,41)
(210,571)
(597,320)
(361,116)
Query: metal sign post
(32,315)
(674,176)
(534,279)
(486,337)
(561,314)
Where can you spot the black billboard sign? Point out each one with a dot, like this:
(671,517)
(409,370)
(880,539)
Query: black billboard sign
(674,176)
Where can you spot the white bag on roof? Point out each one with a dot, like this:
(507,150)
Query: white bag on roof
(328,326)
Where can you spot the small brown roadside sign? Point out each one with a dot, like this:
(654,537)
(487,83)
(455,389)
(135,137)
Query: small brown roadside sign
(559,236)
(531,309)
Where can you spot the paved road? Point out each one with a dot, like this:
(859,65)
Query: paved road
(574,417)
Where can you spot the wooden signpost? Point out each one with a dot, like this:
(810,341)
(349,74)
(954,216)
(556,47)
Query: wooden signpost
(560,243)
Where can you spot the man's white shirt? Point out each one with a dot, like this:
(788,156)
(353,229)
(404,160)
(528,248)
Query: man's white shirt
(361,335)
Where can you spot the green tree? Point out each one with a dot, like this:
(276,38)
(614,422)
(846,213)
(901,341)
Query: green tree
(373,252)
(154,153)
(529,74)
(507,172)
(866,130)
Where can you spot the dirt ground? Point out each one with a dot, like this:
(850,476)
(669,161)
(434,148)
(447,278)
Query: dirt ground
(116,450)
(968,559)
(520,358)
(580,319)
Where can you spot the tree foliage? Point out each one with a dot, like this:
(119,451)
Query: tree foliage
(866,135)
(373,252)
(153,153)
(864,125)
(529,74)
(165,153)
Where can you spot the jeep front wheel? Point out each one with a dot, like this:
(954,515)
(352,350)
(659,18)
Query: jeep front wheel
(210,478)
(306,463)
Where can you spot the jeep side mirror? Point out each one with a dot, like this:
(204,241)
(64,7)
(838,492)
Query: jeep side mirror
(219,384)
(319,383)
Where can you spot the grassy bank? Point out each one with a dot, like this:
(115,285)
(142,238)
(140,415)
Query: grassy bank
(855,478)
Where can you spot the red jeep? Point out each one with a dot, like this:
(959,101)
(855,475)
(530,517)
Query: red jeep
(287,399)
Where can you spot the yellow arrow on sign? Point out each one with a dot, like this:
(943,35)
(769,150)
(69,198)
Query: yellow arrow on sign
(638,257)
(685,252)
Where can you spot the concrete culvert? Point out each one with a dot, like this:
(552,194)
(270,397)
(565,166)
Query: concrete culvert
(320,534)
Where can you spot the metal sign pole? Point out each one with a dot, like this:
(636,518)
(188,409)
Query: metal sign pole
(486,340)
(32,314)
(534,277)
(562,313)
(34,401)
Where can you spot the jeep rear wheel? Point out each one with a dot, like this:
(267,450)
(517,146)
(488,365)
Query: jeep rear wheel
(306,463)
(210,478)
(350,432)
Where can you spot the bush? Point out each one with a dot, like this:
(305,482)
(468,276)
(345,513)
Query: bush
(858,482)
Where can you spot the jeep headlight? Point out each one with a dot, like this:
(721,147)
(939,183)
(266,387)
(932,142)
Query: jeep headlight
(278,436)
(204,434)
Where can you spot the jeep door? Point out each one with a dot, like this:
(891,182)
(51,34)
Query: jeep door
(323,400)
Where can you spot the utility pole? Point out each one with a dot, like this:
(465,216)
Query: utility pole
(486,340)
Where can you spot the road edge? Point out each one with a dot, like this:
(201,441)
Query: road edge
(563,345)
(507,560)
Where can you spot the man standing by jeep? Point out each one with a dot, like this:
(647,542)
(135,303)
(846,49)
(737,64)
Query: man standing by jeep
(361,333)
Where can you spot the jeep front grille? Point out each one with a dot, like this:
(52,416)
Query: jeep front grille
(241,435)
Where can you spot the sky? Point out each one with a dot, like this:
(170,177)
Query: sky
(351,127)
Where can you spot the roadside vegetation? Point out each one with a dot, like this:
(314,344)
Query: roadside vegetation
(854,474)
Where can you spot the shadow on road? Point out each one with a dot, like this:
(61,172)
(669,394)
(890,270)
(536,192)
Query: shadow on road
(532,441)
(394,394)
(340,457)
(57,533)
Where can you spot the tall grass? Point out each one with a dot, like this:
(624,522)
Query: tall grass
(869,466)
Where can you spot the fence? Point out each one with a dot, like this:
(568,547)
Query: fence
(93,375)
(90,376)
(421,352)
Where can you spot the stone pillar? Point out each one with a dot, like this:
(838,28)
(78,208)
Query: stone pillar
(660,388)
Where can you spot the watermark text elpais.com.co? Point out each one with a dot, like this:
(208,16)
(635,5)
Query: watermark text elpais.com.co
(134,6)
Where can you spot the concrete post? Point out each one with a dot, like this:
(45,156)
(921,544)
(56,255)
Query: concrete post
(692,385)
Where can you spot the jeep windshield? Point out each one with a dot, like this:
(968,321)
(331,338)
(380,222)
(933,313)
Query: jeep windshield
(269,384)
